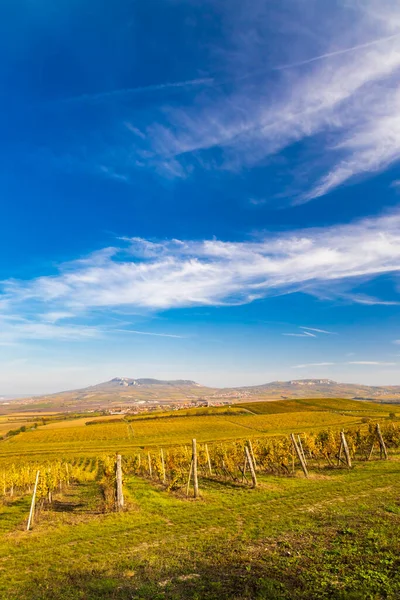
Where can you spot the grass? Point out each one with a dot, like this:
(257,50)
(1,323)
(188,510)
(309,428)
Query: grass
(333,536)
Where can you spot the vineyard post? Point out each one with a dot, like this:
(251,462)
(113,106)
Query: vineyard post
(251,467)
(162,464)
(190,475)
(120,495)
(149,461)
(346,449)
(381,442)
(252,455)
(67,471)
(301,448)
(340,453)
(244,469)
(32,511)
(296,447)
(195,479)
(208,460)
(372,448)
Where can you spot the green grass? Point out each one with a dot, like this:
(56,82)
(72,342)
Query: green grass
(333,536)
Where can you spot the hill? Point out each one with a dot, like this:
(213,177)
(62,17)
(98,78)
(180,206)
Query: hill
(131,392)
(118,382)
(305,388)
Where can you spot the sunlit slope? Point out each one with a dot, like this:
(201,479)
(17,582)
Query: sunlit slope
(319,404)
(281,417)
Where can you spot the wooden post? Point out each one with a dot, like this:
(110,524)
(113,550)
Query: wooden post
(372,448)
(244,469)
(340,453)
(252,454)
(139,462)
(190,475)
(32,511)
(162,465)
(208,460)
(149,461)
(251,466)
(195,479)
(120,495)
(67,470)
(346,449)
(299,454)
(381,442)
(301,449)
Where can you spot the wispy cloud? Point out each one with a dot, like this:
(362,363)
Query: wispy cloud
(340,52)
(376,363)
(106,95)
(150,276)
(369,300)
(321,364)
(303,335)
(34,329)
(134,331)
(157,275)
(371,363)
(345,92)
(271,87)
(318,330)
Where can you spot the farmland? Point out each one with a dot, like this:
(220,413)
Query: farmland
(331,535)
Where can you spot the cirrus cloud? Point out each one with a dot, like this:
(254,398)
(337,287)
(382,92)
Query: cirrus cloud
(158,275)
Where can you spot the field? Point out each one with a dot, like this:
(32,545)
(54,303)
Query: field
(333,535)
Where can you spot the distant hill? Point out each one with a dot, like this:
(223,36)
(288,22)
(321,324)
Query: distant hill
(128,391)
(303,388)
(119,382)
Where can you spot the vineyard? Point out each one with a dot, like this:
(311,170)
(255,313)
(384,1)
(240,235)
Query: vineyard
(203,505)
(99,435)
(236,461)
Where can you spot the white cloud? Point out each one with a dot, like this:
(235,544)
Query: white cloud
(34,329)
(371,363)
(318,330)
(53,317)
(345,88)
(123,92)
(134,331)
(303,335)
(369,300)
(147,275)
(321,364)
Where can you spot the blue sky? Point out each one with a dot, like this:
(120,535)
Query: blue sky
(207,190)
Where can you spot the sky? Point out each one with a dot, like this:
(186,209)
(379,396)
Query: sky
(199,189)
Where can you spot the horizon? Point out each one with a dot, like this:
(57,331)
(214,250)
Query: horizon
(199,188)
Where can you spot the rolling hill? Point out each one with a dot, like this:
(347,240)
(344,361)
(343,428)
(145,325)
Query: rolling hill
(130,392)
